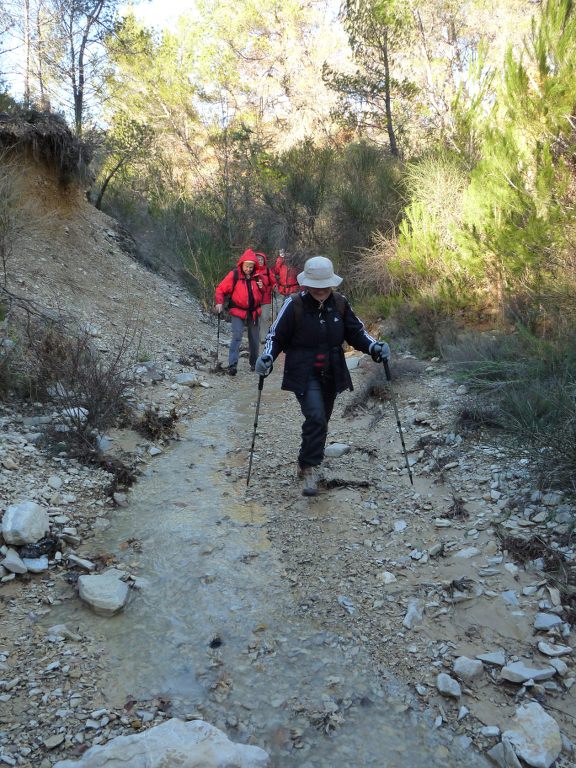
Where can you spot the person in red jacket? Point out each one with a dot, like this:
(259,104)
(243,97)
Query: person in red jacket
(245,289)
(269,282)
(286,274)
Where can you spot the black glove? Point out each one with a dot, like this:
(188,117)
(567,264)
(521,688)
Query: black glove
(264,365)
(380,351)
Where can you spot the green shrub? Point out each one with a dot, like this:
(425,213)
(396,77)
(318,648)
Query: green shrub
(366,196)
(11,377)
(429,322)
(489,360)
(530,387)
(373,307)
(204,264)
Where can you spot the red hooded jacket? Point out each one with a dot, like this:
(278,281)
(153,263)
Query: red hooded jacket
(247,294)
(268,279)
(287,277)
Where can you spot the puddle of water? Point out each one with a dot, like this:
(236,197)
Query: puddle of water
(249,513)
(216,628)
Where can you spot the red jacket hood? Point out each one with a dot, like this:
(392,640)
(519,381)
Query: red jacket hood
(259,253)
(248,255)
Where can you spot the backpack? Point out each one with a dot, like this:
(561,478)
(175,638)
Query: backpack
(228,303)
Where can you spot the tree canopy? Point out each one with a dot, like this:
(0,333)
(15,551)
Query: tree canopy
(423,145)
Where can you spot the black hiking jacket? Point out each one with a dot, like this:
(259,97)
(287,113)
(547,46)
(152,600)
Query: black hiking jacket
(299,333)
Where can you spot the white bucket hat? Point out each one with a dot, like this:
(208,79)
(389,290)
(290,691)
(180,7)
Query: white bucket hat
(319,273)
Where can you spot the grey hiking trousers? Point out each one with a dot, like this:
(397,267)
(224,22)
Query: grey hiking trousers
(253,340)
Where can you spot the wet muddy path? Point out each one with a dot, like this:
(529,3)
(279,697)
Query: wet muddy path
(213,629)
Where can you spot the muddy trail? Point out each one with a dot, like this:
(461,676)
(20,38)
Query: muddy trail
(215,629)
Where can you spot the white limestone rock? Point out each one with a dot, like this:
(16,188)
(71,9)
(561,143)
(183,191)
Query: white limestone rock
(187,379)
(36,564)
(105,593)
(448,686)
(518,672)
(61,632)
(75,414)
(546,621)
(467,553)
(414,614)
(535,736)
(552,649)
(495,658)
(468,669)
(336,450)
(503,755)
(13,562)
(86,565)
(193,744)
(24,523)
(560,666)
(510,597)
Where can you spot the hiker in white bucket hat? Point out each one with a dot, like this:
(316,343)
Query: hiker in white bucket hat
(310,328)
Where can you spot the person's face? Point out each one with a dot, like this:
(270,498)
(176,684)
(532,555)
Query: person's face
(247,267)
(320,294)
(261,260)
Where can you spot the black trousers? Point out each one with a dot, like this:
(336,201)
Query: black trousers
(317,404)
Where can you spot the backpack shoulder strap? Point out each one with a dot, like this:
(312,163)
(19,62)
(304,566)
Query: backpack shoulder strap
(340,301)
(298,308)
(229,300)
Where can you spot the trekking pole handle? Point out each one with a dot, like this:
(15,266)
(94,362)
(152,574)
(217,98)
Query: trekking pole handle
(261,382)
(387,369)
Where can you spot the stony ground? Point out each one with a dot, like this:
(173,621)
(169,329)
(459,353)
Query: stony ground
(468,562)
(462,564)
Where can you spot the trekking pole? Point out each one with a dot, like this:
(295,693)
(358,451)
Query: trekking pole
(260,386)
(394,405)
(218,338)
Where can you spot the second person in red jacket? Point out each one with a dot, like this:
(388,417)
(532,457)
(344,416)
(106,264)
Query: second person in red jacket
(245,291)
(286,270)
(269,282)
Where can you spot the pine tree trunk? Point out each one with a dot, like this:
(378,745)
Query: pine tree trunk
(388,100)
(27,54)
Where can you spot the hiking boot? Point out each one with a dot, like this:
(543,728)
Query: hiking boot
(309,477)
(232,370)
